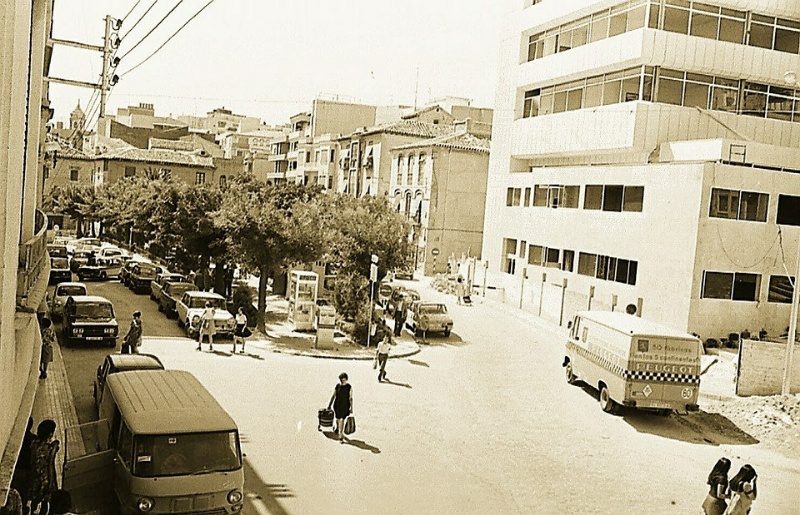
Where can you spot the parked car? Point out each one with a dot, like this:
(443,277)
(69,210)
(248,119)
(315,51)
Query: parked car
(141,275)
(110,251)
(104,268)
(62,292)
(121,363)
(171,293)
(59,270)
(73,245)
(161,279)
(57,250)
(79,258)
(401,295)
(430,317)
(90,318)
(191,306)
(125,272)
(404,273)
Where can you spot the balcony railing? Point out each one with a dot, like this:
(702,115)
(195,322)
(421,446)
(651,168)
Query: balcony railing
(33,259)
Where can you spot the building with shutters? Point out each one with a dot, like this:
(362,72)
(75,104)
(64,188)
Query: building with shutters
(647,152)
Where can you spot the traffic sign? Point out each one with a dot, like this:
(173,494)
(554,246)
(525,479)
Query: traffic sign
(385,290)
(434,251)
(373,272)
(374,259)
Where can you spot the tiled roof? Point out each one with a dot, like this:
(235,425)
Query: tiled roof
(422,111)
(460,141)
(409,128)
(169,144)
(67,152)
(159,156)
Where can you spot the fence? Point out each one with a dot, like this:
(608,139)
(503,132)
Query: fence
(760,369)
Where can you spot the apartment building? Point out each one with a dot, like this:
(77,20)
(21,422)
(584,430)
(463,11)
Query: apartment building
(219,121)
(646,152)
(24,269)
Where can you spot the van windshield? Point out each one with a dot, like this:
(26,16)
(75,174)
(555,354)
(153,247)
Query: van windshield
(64,291)
(200,302)
(186,454)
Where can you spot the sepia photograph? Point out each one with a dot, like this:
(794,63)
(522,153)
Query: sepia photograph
(421,257)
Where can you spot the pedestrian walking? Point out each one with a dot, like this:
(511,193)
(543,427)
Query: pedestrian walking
(743,491)
(716,500)
(133,338)
(43,466)
(382,354)
(21,479)
(48,340)
(460,290)
(242,330)
(342,403)
(399,317)
(207,327)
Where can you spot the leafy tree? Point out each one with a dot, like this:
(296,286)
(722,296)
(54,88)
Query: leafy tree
(270,227)
(79,202)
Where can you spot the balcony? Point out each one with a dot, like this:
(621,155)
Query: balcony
(34,267)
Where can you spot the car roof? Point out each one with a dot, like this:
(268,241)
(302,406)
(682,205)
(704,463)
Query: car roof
(167,402)
(88,299)
(633,325)
(60,285)
(205,294)
(135,361)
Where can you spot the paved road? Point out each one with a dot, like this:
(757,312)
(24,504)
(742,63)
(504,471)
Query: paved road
(482,422)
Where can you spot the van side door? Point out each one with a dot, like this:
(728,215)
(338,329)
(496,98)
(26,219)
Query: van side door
(88,466)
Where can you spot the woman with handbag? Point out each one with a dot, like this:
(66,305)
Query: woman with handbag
(743,491)
(342,403)
(715,502)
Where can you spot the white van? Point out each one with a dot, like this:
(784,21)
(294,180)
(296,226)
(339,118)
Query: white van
(633,362)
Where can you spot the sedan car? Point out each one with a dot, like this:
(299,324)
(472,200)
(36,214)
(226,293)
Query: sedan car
(190,309)
(401,295)
(171,293)
(429,317)
(57,250)
(161,279)
(104,268)
(62,292)
(121,363)
(90,318)
(141,275)
(59,270)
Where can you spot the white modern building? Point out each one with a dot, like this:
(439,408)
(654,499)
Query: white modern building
(648,153)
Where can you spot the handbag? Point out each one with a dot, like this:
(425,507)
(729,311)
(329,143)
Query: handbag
(350,425)
(375,363)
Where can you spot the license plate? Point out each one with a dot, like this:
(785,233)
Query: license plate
(657,404)
(93,338)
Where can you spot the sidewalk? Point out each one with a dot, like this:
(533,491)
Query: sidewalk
(54,401)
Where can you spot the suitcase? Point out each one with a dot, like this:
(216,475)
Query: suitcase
(325,417)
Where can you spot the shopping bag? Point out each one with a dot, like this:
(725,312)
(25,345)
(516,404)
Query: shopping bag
(350,425)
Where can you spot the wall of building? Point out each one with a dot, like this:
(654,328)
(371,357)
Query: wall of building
(115,170)
(61,175)
(457,202)
(761,367)
(330,117)
(139,137)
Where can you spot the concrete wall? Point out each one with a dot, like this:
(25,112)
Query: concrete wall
(139,137)
(761,366)
(116,171)
(60,176)
(330,117)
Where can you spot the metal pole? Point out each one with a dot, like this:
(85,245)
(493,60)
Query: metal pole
(522,286)
(485,271)
(787,368)
(106,60)
(371,311)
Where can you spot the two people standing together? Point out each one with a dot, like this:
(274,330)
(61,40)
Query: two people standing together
(741,490)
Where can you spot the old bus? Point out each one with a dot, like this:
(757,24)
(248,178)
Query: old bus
(163,445)
(633,362)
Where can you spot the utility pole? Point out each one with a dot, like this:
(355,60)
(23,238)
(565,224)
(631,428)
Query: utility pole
(110,43)
(789,364)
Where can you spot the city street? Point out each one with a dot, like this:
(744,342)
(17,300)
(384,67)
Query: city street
(481,422)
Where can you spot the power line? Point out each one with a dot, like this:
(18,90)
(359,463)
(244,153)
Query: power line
(152,30)
(129,12)
(168,39)
(140,19)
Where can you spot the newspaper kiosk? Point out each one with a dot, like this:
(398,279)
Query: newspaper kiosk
(302,292)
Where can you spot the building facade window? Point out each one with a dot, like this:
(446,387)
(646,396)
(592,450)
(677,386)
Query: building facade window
(74,175)
(738,205)
(788,210)
(513,197)
(199,177)
(730,286)
(510,253)
(780,289)
(223,181)
(611,197)
(130,171)
(608,268)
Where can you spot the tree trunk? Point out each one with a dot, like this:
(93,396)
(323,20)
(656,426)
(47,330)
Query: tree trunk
(204,263)
(79,227)
(262,298)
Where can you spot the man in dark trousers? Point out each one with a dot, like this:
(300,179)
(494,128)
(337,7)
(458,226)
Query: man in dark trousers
(399,316)
(133,339)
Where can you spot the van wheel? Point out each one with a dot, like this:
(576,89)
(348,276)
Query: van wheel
(569,373)
(664,412)
(180,322)
(103,276)
(607,404)
(160,308)
(446,333)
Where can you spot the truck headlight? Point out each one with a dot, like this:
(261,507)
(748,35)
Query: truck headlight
(109,330)
(234,496)
(77,330)
(145,504)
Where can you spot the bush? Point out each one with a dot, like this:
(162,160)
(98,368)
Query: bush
(244,296)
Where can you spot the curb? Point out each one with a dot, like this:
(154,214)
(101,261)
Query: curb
(291,352)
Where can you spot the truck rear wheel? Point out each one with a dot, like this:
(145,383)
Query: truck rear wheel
(607,404)
(569,373)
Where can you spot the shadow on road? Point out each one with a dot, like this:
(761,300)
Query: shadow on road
(362,445)
(440,340)
(419,363)
(404,385)
(266,494)
(696,427)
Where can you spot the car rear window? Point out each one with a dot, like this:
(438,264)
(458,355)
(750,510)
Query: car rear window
(433,309)
(64,291)
(94,310)
(59,262)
